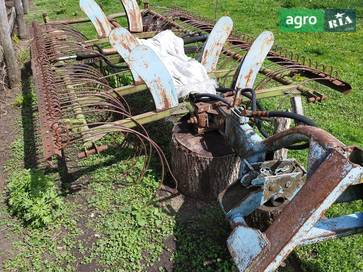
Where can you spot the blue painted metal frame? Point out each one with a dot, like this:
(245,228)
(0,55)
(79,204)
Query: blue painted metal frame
(97,17)
(247,245)
(214,45)
(124,42)
(133,15)
(156,76)
(331,228)
(253,60)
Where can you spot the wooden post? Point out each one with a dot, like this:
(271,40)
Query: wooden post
(25,6)
(20,19)
(1,55)
(9,52)
(11,20)
(45,18)
(281,124)
(296,105)
(203,164)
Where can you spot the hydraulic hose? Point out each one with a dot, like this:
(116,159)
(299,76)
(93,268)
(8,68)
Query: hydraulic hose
(251,95)
(292,115)
(198,97)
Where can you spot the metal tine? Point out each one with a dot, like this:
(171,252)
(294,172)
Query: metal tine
(83,70)
(114,106)
(280,71)
(269,76)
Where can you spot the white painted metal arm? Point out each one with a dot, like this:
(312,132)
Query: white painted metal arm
(214,45)
(156,76)
(252,62)
(124,42)
(134,16)
(97,17)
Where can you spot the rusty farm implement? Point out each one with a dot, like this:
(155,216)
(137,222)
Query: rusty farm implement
(215,82)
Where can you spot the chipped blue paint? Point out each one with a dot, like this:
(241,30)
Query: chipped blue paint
(252,62)
(316,156)
(214,45)
(242,137)
(97,17)
(247,206)
(245,244)
(124,42)
(133,15)
(335,227)
(353,177)
(151,69)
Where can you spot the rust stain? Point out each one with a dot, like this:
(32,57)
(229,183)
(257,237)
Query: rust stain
(100,28)
(146,65)
(322,137)
(248,76)
(165,100)
(114,36)
(133,16)
(205,56)
(125,41)
(294,215)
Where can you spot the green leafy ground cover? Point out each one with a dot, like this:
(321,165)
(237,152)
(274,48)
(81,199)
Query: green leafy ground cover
(115,224)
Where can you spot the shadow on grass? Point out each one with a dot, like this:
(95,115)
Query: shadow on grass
(200,231)
(199,241)
(27,118)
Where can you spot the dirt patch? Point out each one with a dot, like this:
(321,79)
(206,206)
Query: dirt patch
(187,211)
(8,129)
(10,114)
(8,132)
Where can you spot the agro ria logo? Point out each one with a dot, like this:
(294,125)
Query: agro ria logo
(340,20)
(317,20)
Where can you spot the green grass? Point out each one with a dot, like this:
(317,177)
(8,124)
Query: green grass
(115,224)
(33,197)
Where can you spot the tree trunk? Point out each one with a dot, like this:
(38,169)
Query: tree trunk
(1,55)
(12,19)
(264,216)
(26,6)
(20,19)
(203,164)
(9,52)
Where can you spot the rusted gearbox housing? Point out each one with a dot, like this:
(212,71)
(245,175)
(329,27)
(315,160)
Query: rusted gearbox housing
(334,173)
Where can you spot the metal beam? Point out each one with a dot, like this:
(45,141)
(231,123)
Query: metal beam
(335,227)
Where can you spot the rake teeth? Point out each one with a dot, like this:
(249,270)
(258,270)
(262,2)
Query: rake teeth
(60,40)
(66,95)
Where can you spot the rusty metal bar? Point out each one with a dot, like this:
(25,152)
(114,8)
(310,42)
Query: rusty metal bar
(286,231)
(49,122)
(135,121)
